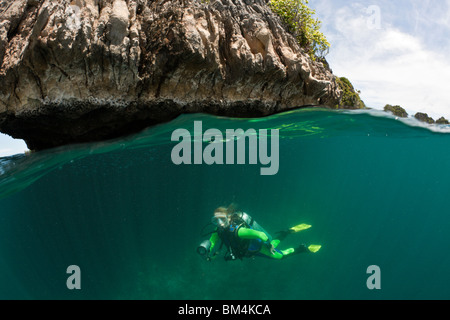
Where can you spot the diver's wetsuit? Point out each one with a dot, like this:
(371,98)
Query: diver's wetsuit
(243,241)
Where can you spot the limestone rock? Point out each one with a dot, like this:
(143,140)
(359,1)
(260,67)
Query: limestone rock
(84,70)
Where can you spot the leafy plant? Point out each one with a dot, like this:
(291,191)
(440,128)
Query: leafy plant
(350,97)
(300,21)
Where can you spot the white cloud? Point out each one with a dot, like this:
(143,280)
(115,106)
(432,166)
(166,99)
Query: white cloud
(389,65)
(10,146)
(444,20)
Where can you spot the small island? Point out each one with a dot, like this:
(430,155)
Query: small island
(398,111)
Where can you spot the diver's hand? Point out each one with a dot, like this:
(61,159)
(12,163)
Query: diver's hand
(272,249)
(270,246)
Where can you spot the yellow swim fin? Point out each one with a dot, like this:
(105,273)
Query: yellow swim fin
(300,227)
(314,248)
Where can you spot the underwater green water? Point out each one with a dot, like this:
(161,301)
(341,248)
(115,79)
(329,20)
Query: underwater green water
(375,190)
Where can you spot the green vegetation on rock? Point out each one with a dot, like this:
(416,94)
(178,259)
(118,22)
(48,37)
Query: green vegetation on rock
(442,120)
(350,97)
(396,111)
(299,20)
(423,117)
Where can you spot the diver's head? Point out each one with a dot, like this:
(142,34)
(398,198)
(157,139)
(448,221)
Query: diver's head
(221,218)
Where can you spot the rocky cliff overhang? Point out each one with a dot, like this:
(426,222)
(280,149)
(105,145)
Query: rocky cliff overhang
(85,70)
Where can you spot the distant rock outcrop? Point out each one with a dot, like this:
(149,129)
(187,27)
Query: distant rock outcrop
(96,69)
(396,111)
(442,120)
(423,117)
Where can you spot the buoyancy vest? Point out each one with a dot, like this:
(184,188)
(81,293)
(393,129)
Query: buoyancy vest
(239,248)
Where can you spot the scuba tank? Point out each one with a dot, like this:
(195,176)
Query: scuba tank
(237,249)
(253,224)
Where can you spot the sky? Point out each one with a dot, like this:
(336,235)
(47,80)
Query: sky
(10,146)
(394,52)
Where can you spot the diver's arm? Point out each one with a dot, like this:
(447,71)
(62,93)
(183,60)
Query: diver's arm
(250,234)
(213,239)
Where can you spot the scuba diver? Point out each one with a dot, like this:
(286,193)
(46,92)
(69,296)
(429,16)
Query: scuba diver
(245,238)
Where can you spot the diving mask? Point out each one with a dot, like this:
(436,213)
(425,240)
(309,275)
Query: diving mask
(220,220)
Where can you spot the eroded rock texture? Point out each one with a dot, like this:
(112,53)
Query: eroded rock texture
(84,70)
